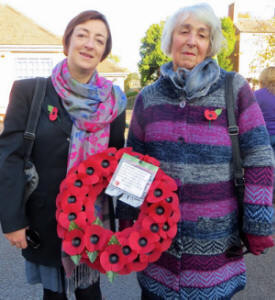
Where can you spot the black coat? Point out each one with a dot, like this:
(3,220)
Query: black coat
(49,154)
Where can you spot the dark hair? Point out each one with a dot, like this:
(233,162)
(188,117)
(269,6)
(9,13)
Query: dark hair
(82,18)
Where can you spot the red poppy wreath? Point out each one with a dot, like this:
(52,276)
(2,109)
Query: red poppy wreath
(85,239)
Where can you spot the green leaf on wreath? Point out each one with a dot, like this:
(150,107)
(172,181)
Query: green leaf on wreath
(98,222)
(92,255)
(76,259)
(111,275)
(73,226)
(113,241)
(218,111)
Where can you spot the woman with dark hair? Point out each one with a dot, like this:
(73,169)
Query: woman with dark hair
(181,120)
(89,117)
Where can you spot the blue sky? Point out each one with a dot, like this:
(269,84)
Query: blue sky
(129,19)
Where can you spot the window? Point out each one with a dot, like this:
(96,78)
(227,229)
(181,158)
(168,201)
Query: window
(27,67)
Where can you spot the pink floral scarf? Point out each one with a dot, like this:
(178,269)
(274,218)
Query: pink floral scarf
(92,107)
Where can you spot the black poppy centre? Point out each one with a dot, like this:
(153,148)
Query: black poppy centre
(71,199)
(142,242)
(113,258)
(160,210)
(76,241)
(94,239)
(78,183)
(90,171)
(169,200)
(166,227)
(126,250)
(71,216)
(105,163)
(154,227)
(158,193)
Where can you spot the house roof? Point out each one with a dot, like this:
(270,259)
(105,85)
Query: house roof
(108,66)
(17,29)
(255,25)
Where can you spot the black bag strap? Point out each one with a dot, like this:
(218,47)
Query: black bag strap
(233,129)
(34,114)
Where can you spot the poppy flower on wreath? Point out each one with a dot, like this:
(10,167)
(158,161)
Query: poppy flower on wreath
(175,216)
(72,199)
(89,208)
(107,163)
(142,241)
(74,180)
(151,160)
(137,265)
(96,265)
(157,192)
(112,258)
(169,229)
(65,218)
(127,250)
(164,230)
(96,237)
(152,256)
(160,211)
(73,242)
(170,183)
(60,231)
(164,244)
(172,200)
(151,225)
(88,172)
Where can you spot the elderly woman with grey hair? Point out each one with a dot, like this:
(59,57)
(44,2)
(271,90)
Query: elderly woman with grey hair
(181,119)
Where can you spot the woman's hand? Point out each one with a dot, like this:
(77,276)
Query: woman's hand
(17,238)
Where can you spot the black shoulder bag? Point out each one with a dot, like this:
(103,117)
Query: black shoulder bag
(238,172)
(29,136)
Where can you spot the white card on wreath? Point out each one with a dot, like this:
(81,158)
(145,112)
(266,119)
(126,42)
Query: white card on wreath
(131,180)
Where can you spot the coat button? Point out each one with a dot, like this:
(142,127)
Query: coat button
(68,139)
(182,104)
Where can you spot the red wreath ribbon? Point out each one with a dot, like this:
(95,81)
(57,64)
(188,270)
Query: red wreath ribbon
(87,241)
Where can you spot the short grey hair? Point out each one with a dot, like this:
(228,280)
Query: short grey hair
(202,12)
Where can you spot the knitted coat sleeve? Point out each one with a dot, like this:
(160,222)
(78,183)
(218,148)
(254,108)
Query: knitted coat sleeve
(258,161)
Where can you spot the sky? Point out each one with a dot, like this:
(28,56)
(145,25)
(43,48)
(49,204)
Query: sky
(128,19)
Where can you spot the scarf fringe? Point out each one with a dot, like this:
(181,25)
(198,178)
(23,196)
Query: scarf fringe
(82,277)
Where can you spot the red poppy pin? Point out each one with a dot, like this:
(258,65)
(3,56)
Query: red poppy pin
(212,115)
(52,112)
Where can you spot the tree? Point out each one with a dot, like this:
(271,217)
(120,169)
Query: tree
(224,57)
(265,54)
(151,55)
(114,58)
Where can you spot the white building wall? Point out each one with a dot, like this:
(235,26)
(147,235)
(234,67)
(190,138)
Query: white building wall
(19,65)
(14,66)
